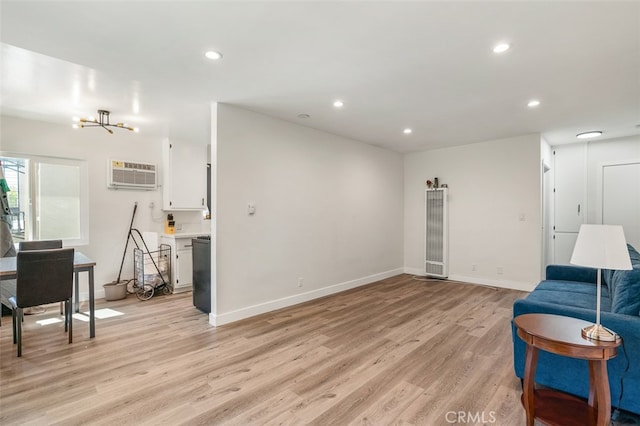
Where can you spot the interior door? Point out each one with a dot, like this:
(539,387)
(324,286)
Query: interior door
(621,199)
(569,187)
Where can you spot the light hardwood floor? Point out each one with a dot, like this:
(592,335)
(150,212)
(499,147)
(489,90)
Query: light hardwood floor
(399,351)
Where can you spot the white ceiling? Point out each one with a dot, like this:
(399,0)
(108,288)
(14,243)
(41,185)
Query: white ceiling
(424,65)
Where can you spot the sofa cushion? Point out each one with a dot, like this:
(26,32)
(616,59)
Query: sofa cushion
(607,274)
(570,293)
(624,286)
(633,255)
(626,293)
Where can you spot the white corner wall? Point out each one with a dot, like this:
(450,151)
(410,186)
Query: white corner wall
(495,212)
(109,210)
(328,212)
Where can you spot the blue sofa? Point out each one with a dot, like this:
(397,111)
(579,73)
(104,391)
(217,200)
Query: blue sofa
(571,291)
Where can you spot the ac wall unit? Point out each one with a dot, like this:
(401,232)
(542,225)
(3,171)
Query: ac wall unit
(130,175)
(437,236)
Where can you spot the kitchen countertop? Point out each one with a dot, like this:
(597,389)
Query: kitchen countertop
(186,234)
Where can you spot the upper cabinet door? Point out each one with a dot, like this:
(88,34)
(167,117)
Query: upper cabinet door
(569,187)
(184,186)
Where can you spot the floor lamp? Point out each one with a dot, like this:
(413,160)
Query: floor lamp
(601,247)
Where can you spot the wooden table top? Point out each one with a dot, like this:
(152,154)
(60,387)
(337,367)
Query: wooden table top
(8,264)
(563,335)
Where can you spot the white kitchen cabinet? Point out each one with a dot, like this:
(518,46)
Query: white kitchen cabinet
(569,195)
(184,185)
(181,260)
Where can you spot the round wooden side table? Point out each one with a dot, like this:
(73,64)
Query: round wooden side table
(562,336)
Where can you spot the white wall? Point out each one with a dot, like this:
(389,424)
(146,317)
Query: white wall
(332,211)
(109,210)
(329,210)
(491,184)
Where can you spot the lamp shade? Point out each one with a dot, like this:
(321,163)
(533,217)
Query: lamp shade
(601,246)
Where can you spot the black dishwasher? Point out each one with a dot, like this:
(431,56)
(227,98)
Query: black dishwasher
(202,273)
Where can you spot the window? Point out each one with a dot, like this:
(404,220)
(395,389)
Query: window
(47,198)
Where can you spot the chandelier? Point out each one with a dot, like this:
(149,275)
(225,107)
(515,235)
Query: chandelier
(101,121)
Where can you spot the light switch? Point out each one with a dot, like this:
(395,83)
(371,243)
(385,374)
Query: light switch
(251,209)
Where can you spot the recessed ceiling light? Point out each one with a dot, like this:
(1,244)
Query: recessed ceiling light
(213,55)
(407,131)
(501,48)
(589,134)
(338,104)
(303,116)
(533,103)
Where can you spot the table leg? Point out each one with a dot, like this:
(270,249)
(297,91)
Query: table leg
(92,306)
(593,395)
(76,294)
(600,385)
(530,365)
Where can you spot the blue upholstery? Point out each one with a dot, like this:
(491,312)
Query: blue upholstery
(625,287)
(565,293)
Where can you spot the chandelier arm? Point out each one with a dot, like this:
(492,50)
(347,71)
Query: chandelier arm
(103,121)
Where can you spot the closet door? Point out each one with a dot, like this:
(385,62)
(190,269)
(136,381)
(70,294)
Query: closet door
(621,199)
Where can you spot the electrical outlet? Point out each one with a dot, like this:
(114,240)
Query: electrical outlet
(474,266)
(500,270)
(300,282)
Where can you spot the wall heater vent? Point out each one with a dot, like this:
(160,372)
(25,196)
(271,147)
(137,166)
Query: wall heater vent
(437,235)
(129,175)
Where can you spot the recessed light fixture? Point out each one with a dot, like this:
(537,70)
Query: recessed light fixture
(407,131)
(533,103)
(338,104)
(589,134)
(213,55)
(501,47)
(303,116)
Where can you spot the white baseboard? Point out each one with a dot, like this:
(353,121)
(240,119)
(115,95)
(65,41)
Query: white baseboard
(513,285)
(272,305)
(414,271)
(98,294)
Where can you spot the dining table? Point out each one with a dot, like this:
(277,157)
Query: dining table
(81,263)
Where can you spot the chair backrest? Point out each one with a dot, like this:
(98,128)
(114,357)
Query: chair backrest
(40,245)
(44,276)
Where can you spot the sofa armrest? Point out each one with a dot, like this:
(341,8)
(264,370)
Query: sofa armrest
(571,273)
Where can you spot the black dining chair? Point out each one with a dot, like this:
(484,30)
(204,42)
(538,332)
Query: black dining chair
(42,277)
(41,245)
